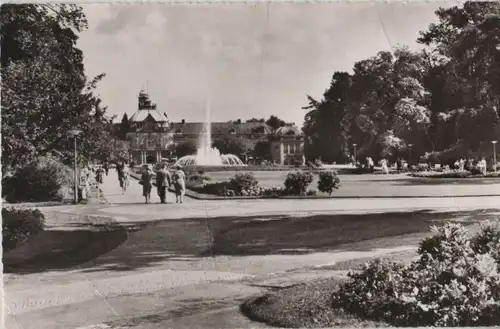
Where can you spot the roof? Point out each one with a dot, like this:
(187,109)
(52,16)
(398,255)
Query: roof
(220,128)
(288,130)
(141,115)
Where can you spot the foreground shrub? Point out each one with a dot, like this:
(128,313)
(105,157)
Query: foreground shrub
(44,179)
(19,224)
(296,182)
(450,285)
(328,181)
(488,240)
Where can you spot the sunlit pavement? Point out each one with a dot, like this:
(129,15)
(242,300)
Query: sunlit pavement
(179,291)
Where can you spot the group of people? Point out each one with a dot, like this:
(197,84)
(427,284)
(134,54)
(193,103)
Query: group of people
(164,180)
(468,164)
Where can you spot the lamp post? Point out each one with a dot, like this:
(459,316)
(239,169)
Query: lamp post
(355,158)
(410,146)
(74,133)
(494,155)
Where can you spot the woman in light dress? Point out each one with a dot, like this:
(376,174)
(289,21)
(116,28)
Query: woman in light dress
(147,183)
(179,179)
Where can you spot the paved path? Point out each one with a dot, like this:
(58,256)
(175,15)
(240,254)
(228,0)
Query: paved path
(178,290)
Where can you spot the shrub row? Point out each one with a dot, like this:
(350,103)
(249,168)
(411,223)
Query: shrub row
(245,184)
(455,282)
(19,224)
(447,173)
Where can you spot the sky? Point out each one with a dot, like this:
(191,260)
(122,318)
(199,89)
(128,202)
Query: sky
(246,60)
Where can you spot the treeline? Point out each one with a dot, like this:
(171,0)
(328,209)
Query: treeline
(443,100)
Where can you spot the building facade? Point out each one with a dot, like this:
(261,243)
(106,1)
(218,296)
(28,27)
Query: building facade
(287,146)
(152,137)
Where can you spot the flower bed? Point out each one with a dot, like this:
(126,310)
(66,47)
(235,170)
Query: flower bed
(448,173)
(245,185)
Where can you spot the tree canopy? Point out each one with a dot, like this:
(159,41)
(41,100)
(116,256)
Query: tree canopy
(45,91)
(431,100)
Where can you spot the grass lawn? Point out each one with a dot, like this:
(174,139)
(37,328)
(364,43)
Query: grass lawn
(142,244)
(307,305)
(398,185)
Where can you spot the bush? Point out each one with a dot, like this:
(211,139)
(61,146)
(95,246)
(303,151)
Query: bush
(296,182)
(274,192)
(19,224)
(240,185)
(44,179)
(451,284)
(244,181)
(488,240)
(328,181)
(197,179)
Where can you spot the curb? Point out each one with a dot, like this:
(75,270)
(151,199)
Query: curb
(199,196)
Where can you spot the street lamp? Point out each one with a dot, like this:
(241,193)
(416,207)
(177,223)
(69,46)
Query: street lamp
(74,134)
(494,155)
(410,146)
(355,158)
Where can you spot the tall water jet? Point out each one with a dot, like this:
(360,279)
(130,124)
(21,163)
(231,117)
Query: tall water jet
(206,155)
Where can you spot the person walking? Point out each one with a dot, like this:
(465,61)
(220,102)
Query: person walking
(179,179)
(163,181)
(99,173)
(125,178)
(121,176)
(147,183)
(106,167)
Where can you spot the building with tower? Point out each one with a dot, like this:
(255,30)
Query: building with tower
(152,136)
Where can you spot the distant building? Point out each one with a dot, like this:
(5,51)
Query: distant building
(153,137)
(287,146)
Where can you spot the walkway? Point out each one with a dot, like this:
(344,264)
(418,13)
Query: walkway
(113,193)
(157,275)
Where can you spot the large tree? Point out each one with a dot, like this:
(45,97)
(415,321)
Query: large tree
(325,123)
(467,38)
(124,127)
(183,148)
(230,144)
(44,88)
(444,97)
(275,122)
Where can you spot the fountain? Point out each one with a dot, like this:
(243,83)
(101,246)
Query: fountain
(206,155)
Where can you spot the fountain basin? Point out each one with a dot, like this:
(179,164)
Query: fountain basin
(225,160)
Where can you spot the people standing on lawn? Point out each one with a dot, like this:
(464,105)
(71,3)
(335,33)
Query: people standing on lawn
(371,164)
(163,181)
(385,168)
(483,166)
(461,164)
(469,164)
(147,182)
(179,179)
